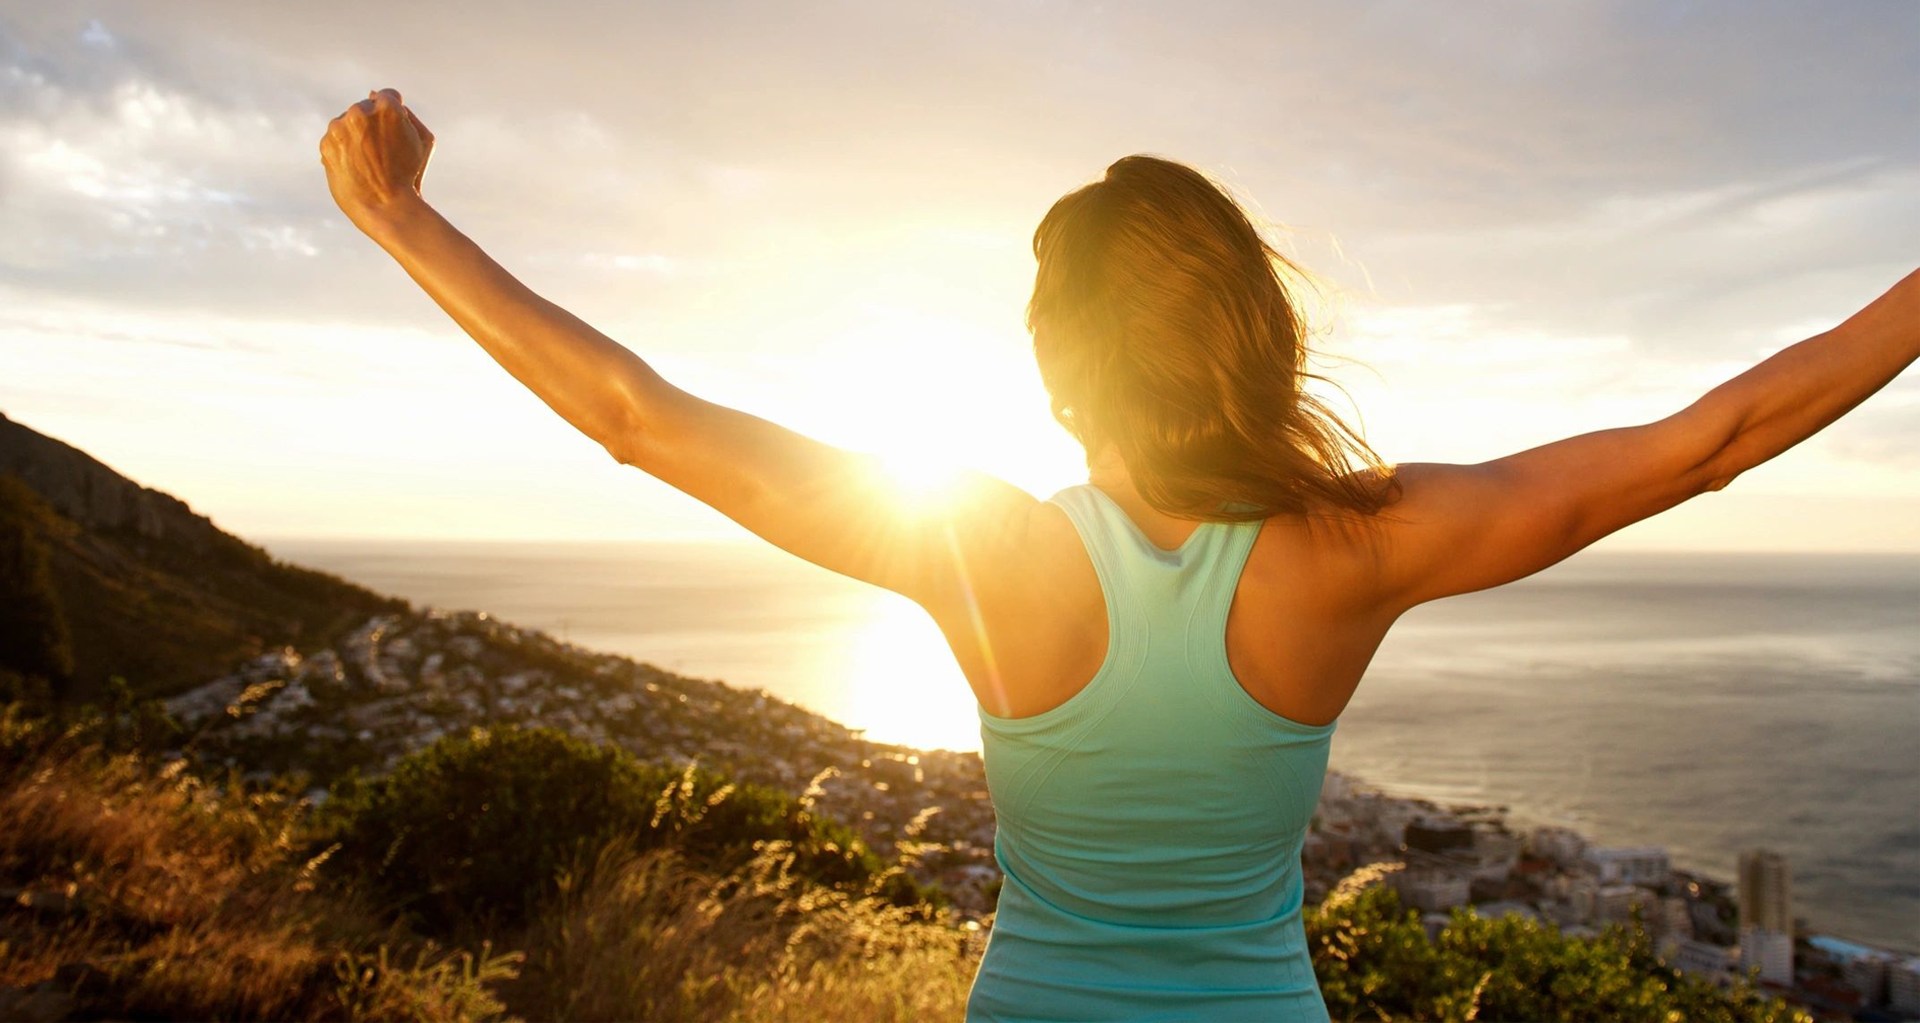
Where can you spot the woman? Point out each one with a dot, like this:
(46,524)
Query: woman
(1160,655)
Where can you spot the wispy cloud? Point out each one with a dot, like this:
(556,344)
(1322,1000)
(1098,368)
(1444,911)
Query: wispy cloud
(1600,204)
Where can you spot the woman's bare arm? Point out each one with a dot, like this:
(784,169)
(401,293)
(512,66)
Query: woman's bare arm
(1459,528)
(833,507)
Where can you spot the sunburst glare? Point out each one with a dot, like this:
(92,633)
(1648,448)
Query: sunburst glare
(923,483)
(904,685)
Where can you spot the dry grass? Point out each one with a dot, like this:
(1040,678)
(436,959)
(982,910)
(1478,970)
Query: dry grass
(133,890)
(147,892)
(646,936)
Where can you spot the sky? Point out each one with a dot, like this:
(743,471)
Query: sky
(1535,220)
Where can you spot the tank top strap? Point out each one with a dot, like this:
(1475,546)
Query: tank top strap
(1143,581)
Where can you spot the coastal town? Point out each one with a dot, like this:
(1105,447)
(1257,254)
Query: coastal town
(400,682)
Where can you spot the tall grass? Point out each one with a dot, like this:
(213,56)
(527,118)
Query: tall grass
(147,892)
(135,889)
(130,889)
(646,935)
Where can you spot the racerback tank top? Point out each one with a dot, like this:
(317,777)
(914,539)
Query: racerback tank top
(1149,828)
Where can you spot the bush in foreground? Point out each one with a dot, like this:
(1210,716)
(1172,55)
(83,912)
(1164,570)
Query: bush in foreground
(133,891)
(474,830)
(1374,961)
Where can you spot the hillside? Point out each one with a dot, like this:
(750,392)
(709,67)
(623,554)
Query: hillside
(279,670)
(149,589)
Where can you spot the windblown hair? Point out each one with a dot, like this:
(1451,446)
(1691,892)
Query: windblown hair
(1163,324)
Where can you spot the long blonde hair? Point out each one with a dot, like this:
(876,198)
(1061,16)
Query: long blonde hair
(1163,325)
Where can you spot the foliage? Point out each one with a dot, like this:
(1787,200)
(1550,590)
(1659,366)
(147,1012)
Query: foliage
(36,648)
(81,601)
(138,891)
(475,829)
(649,935)
(125,724)
(1375,961)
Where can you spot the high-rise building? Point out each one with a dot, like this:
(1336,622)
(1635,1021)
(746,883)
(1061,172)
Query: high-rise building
(1766,892)
(1766,915)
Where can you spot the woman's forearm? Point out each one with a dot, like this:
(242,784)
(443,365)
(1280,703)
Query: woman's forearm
(1802,388)
(588,378)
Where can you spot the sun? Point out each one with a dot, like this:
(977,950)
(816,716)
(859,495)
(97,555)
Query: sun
(936,401)
(919,480)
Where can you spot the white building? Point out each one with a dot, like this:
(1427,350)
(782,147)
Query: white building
(1674,919)
(1561,845)
(1766,915)
(1639,864)
(1703,959)
(1612,903)
(1868,975)
(1495,852)
(1865,968)
(1771,951)
(1903,985)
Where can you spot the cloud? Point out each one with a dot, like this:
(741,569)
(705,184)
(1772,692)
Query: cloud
(1883,432)
(1725,269)
(1667,186)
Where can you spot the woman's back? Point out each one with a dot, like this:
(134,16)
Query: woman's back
(1299,634)
(1150,825)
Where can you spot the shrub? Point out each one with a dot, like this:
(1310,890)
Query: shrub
(475,828)
(146,892)
(1374,961)
(35,643)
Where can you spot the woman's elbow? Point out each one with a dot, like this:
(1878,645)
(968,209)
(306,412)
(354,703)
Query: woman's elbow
(628,442)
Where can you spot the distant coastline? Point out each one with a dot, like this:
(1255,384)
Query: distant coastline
(1621,692)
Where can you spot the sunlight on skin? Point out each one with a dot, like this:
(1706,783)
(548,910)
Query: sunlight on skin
(923,486)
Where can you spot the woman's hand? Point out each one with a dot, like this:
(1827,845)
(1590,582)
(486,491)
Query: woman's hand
(375,154)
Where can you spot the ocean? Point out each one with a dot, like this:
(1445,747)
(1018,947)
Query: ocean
(1708,703)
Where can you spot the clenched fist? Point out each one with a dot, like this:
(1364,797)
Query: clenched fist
(375,154)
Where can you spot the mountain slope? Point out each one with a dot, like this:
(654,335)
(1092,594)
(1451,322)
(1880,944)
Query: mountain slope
(149,589)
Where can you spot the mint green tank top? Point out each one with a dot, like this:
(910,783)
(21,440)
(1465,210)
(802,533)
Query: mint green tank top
(1149,828)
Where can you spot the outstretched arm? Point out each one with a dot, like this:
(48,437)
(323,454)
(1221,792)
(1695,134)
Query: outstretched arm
(1460,528)
(833,507)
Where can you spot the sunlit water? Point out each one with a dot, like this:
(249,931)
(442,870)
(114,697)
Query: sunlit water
(1707,703)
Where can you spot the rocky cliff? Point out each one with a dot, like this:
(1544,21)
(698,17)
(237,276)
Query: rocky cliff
(151,590)
(82,489)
